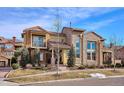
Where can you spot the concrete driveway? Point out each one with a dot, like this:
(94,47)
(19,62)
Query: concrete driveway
(4,71)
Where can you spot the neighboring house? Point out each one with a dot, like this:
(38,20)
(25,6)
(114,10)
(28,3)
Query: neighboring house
(118,53)
(7,48)
(89,49)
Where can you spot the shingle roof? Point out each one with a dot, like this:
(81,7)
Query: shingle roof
(34,28)
(74,29)
(61,45)
(55,33)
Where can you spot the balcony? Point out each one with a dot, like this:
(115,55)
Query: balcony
(38,42)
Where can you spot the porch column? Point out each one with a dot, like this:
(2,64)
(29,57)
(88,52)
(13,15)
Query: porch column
(81,48)
(53,58)
(100,54)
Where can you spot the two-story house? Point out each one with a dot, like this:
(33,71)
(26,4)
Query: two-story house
(89,49)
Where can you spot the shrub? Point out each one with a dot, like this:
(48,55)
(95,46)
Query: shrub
(81,67)
(71,58)
(122,65)
(118,65)
(122,62)
(92,67)
(37,57)
(107,63)
(40,68)
(25,59)
(73,68)
(101,67)
(13,60)
(112,65)
(15,65)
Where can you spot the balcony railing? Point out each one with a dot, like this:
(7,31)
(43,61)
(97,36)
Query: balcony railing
(41,45)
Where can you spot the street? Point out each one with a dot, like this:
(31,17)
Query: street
(86,82)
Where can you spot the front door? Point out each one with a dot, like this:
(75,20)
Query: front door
(60,57)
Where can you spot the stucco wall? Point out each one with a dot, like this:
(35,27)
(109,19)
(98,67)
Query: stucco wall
(92,37)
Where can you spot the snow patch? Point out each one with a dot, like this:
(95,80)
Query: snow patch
(97,75)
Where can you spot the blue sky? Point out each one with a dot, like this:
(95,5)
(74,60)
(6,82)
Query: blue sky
(107,22)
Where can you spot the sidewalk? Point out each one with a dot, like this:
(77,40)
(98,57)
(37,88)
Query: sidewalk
(49,73)
(63,80)
(3,72)
(6,83)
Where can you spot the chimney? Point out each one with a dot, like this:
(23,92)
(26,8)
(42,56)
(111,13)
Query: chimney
(111,45)
(14,39)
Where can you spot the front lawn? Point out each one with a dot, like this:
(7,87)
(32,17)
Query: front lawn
(66,75)
(23,72)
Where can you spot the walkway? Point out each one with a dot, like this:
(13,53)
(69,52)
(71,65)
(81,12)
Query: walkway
(3,72)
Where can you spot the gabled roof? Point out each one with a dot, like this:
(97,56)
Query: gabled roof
(38,28)
(74,29)
(5,40)
(35,28)
(96,35)
(55,33)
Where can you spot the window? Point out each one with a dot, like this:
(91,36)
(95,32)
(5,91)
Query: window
(88,55)
(78,53)
(9,53)
(38,41)
(88,45)
(8,46)
(41,56)
(91,50)
(93,45)
(77,47)
(67,52)
(93,55)
(2,46)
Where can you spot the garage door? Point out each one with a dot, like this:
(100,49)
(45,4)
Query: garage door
(2,63)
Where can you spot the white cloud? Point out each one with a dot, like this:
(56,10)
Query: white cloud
(100,24)
(20,18)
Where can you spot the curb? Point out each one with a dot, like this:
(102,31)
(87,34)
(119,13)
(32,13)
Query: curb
(62,80)
(54,81)
(115,76)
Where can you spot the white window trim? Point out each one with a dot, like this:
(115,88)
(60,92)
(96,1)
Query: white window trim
(37,47)
(91,50)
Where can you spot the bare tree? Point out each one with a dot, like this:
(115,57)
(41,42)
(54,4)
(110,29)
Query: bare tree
(115,44)
(57,28)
